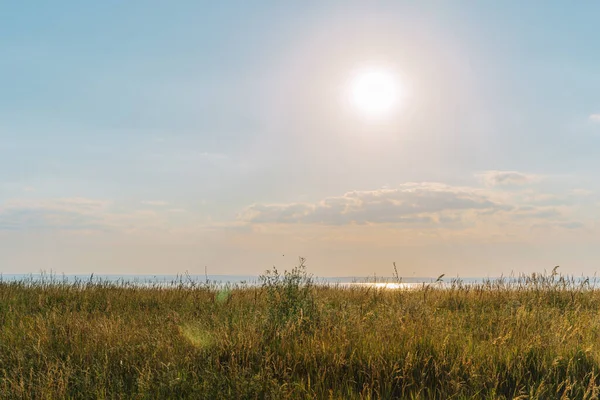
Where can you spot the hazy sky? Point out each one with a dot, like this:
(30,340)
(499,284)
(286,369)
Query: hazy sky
(165,136)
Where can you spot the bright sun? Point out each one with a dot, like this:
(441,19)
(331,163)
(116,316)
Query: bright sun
(374,92)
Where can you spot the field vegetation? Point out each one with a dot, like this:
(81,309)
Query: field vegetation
(289,338)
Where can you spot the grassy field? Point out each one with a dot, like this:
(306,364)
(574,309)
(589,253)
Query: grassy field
(290,338)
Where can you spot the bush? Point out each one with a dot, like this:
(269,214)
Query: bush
(289,297)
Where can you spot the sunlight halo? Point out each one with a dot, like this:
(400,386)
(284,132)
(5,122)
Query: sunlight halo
(374,92)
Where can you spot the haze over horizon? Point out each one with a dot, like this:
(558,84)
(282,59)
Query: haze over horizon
(160,137)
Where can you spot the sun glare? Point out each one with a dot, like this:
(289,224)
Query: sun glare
(374,92)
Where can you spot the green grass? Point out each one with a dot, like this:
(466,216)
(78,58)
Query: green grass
(290,338)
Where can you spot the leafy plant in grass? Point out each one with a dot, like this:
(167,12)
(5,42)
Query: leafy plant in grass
(289,298)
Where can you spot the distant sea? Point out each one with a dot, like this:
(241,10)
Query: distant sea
(251,280)
(218,280)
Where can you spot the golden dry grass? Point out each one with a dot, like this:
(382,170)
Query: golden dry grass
(289,338)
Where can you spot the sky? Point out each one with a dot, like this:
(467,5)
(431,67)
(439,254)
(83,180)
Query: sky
(158,137)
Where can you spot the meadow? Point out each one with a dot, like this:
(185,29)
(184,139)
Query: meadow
(289,338)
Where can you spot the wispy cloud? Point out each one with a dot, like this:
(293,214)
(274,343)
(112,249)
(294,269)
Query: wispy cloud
(535,212)
(582,192)
(74,204)
(569,225)
(507,178)
(66,214)
(78,214)
(157,203)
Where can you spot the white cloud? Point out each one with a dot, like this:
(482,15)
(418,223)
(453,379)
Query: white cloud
(419,208)
(412,203)
(595,117)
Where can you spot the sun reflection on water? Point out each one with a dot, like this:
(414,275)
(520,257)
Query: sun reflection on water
(389,285)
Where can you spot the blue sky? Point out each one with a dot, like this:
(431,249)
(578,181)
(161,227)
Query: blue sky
(160,137)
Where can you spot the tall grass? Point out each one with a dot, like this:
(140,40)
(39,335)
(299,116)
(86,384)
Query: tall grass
(536,337)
